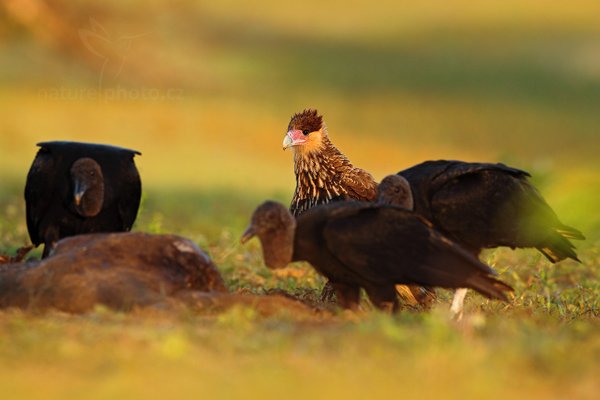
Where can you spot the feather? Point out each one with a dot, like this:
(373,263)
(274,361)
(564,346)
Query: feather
(484,205)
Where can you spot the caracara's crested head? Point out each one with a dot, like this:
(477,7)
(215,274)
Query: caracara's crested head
(308,119)
(305,131)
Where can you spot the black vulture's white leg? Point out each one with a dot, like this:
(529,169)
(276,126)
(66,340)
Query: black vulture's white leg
(457,303)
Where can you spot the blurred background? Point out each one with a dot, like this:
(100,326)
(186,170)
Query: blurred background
(205,91)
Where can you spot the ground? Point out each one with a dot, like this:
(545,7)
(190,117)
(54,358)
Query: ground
(205,93)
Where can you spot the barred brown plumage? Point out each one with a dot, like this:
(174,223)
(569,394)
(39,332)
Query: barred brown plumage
(323,173)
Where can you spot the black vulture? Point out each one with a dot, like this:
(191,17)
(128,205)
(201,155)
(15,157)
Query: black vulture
(365,245)
(74,188)
(484,205)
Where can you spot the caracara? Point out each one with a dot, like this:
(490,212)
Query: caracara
(482,205)
(74,188)
(371,246)
(324,175)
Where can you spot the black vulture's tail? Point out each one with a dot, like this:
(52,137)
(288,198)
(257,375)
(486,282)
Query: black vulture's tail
(558,247)
(544,230)
(489,286)
(570,233)
(453,267)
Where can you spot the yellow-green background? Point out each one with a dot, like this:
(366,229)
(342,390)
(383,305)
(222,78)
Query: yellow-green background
(398,82)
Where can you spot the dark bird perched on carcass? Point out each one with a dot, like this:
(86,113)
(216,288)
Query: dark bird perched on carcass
(482,205)
(74,188)
(324,175)
(365,245)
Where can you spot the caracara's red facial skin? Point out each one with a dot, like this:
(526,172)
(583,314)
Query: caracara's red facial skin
(294,138)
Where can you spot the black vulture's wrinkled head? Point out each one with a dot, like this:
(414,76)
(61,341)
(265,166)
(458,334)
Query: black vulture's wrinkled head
(395,190)
(275,228)
(88,187)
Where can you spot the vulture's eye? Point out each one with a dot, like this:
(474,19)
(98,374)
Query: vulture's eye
(92,173)
(305,132)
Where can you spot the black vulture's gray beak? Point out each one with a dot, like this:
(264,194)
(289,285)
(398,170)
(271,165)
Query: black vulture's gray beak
(78,192)
(248,234)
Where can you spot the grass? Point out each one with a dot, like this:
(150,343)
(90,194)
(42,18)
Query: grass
(238,355)
(543,344)
(515,82)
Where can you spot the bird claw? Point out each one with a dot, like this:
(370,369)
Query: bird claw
(21,253)
(328,294)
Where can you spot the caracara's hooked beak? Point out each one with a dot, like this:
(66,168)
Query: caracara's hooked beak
(294,137)
(248,234)
(79,191)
